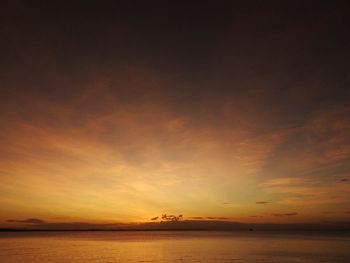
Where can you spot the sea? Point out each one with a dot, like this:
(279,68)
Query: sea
(173,246)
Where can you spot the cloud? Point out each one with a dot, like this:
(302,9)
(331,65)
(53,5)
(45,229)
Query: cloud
(113,134)
(82,226)
(174,218)
(27,221)
(171,218)
(217,218)
(307,191)
(208,218)
(285,214)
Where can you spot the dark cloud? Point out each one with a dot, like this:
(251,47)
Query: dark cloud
(217,218)
(27,221)
(285,214)
(191,225)
(80,226)
(344,180)
(174,218)
(208,218)
(262,202)
(171,218)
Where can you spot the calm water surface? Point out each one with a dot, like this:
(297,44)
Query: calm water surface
(238,247)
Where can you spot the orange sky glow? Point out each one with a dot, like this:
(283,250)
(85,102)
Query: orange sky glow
(260,134)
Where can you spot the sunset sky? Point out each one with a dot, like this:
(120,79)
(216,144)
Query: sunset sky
(119,113)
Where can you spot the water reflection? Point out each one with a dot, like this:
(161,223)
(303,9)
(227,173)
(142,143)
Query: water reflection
(165,246)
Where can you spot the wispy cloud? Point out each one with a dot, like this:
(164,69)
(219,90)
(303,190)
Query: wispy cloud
(307,191)
(27,221)
(285,214)
(124,137)
(218,218)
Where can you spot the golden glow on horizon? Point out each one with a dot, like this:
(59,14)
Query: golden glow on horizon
(129,164)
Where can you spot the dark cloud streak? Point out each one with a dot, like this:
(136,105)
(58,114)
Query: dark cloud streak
(284,214)
(27,221)
(191,225)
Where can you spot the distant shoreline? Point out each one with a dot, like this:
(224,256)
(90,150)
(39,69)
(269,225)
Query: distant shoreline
(284,231)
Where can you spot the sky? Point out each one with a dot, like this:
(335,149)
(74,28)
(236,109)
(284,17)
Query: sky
(119,113)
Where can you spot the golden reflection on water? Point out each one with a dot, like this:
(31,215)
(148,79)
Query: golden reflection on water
(171,247)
